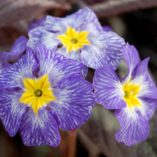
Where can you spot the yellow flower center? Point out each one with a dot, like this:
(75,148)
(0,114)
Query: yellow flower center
(73,40)
(37,92)
(131,91)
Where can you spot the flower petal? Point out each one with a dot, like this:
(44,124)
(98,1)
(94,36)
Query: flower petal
(108,88)
(83,16)
(114,50)
(134,123)
(12,76)
(142,77)
(131,58)
(105,49)
(74,103)
(132,131)
(36,23)
(56,66)
(39,129)
(93,57)
(16,51)
(85,71)
(19,45)
(11,112)
(72,55)
(40,35)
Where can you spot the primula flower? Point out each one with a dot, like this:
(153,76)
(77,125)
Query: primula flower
(41,93)
(79,36)
(134,96)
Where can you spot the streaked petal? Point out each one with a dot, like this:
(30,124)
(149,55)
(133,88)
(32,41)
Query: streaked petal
(72,55)
(55,24)
(39,129)
(11,112)
(74,103)
(105,49)
(12,76)
(134,123)
(108,88)
(132,131)
(40,35)
(83,16)
(114,50)
(93,57)
(142,77)
(131,58)
(19,46)
(56,66)
(16,52)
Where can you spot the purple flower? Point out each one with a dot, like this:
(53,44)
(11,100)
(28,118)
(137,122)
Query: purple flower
(133,97)
(16,51)
(42,93)
(79,36)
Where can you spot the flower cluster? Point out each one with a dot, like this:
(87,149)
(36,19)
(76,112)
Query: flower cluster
(43,86)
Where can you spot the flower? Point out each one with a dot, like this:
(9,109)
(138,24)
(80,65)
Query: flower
(42,93)
(79,36)
(133,97)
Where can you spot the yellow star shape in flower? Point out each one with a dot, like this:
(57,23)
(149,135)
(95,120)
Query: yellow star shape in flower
(37,92)
(131,91)
(74,40)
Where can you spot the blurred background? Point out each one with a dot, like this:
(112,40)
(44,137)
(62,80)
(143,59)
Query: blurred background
(136,21)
